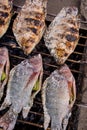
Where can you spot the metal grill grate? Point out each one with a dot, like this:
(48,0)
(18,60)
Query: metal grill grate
(35,117)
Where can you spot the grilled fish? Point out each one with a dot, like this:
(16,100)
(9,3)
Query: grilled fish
(29,25)
(20,93)
(62,35)
(4,69)
(58,97)
(5,15)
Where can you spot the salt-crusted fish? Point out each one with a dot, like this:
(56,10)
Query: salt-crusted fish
(5,15)
(62,35)
(21,90)
(4,69)
(58,97)
(29,25)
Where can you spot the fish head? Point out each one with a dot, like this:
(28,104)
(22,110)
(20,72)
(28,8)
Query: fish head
(36,62)
(65,71)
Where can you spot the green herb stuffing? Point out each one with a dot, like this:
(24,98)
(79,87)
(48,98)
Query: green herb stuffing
(3,77)
(36,86)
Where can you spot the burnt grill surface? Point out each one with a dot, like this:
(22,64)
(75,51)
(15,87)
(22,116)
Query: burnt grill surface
(35,117)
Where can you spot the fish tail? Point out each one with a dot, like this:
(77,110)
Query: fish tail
(45,6)
(8,120)
(25,111)
(43,2)
(65,121)
(56,125)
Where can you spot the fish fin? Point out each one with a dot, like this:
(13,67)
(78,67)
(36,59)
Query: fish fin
(25,111)
(65,121)
(43,3)
(27,108)
(7,100)
(6,103)
(46,119)
(56,125)
(8,120)
(46,115)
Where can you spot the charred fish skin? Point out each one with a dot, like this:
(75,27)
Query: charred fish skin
(5,15)
(29,25)
(62,35)
(19,95)
(4,68)
(56,96)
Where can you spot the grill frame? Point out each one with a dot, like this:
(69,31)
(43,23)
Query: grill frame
(9,41)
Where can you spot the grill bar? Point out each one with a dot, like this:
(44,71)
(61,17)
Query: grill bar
(14,46)
(79,44)
(73,61)
(85,37)
(30,123)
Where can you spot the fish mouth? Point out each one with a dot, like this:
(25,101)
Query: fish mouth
(72,10)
